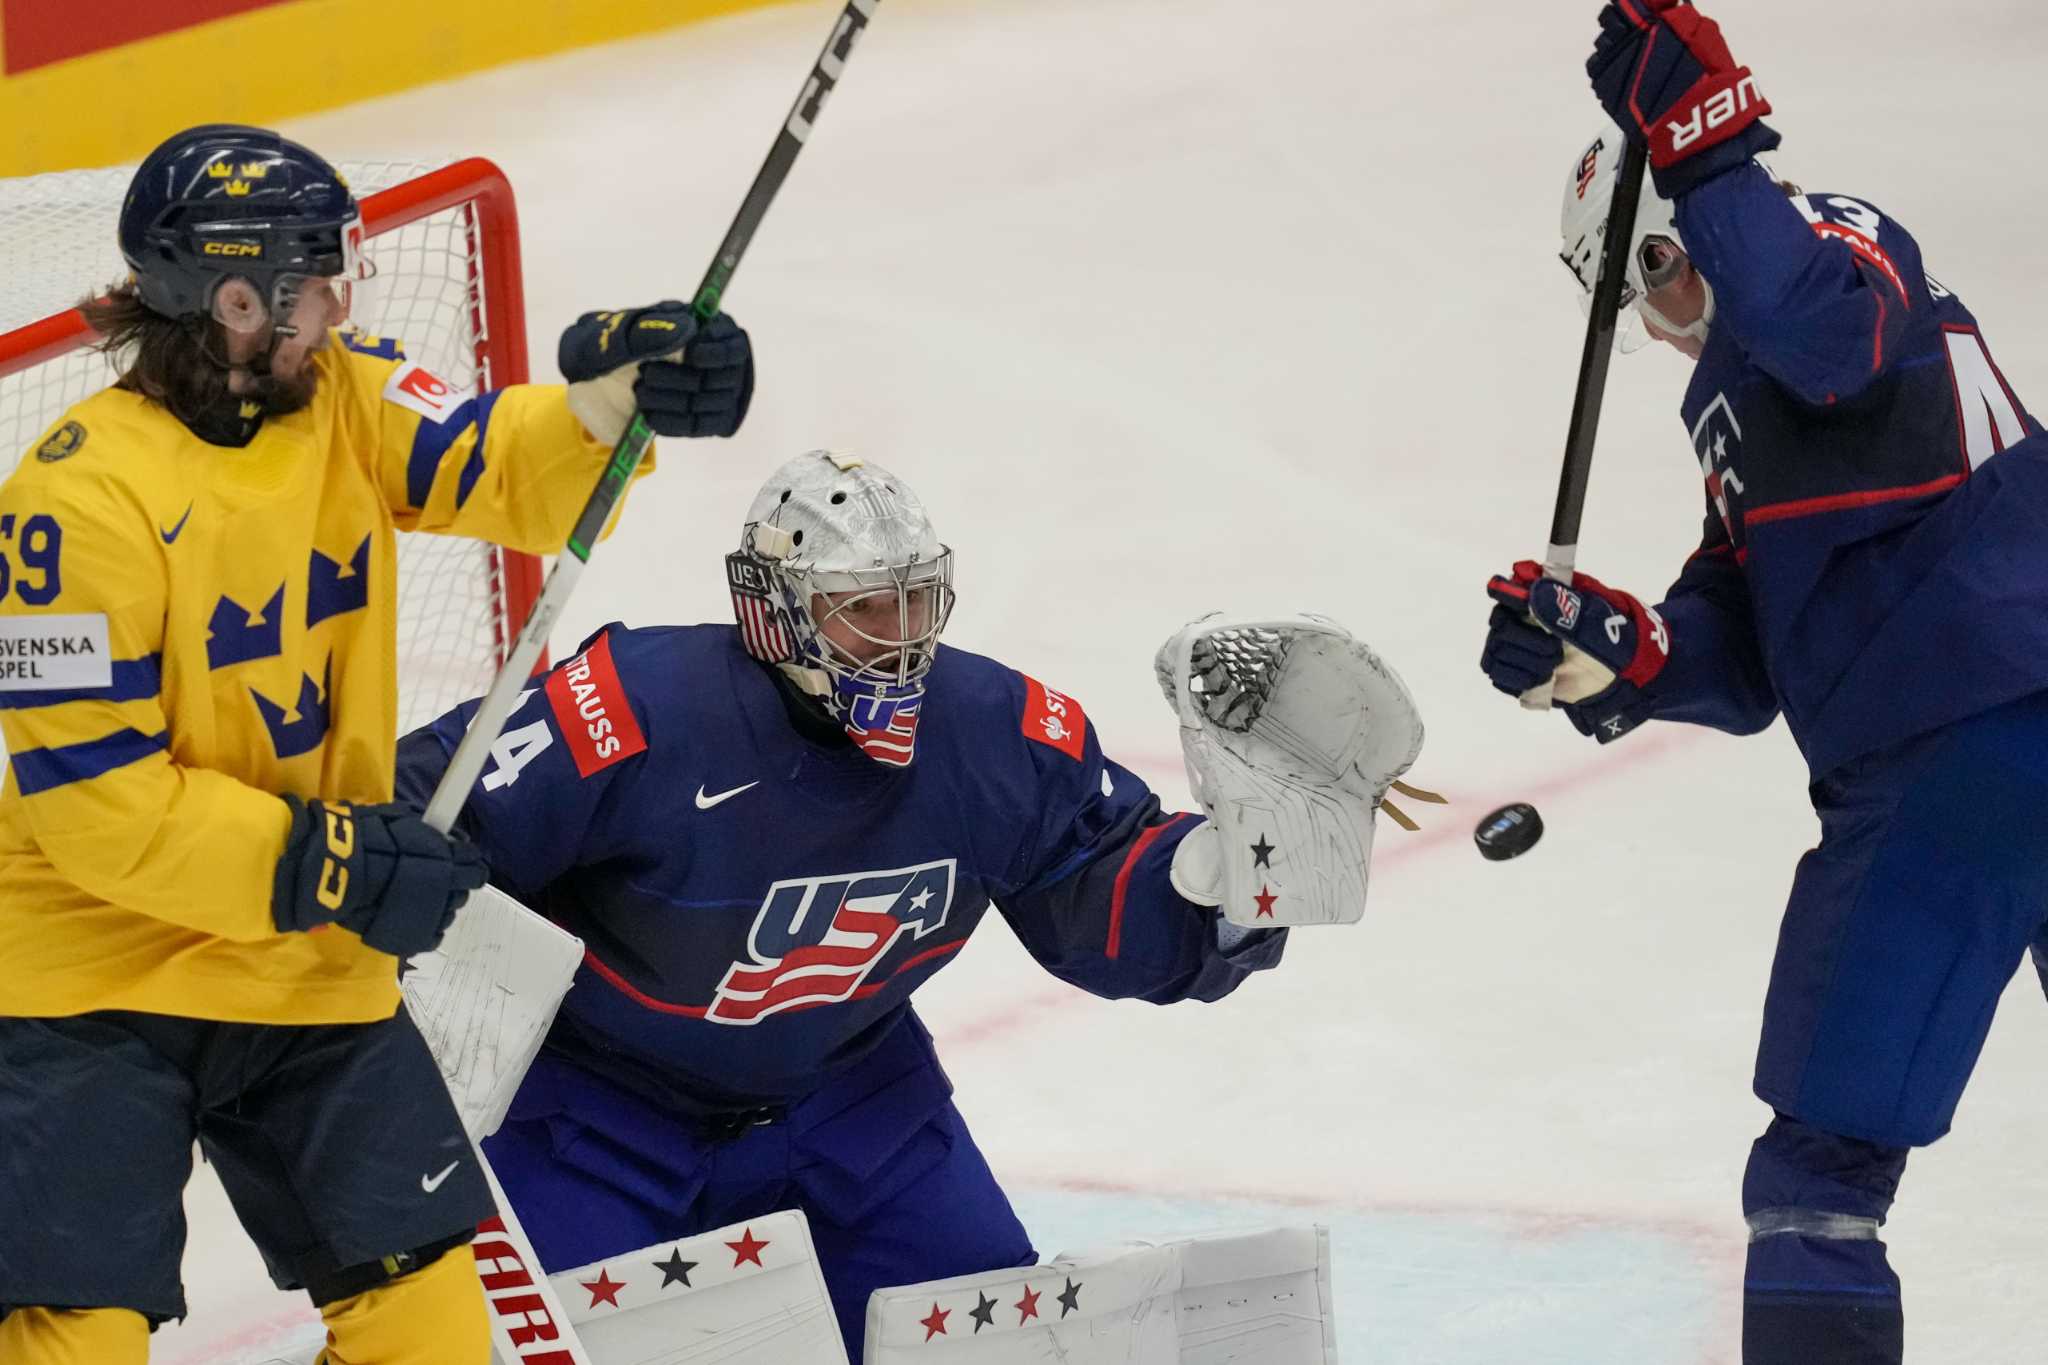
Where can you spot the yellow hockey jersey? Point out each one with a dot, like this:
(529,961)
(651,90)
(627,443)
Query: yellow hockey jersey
(188,630)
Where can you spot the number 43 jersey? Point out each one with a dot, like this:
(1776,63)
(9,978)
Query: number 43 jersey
(759,899)
(1875,561)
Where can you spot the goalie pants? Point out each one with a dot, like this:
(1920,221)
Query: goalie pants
(325,1138)
(878,1159)
(1904,927)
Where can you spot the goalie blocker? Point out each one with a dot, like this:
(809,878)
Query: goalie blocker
(1293,731)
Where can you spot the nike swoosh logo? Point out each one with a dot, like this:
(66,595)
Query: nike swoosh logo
(172,534)
(707,802)
(430,1183)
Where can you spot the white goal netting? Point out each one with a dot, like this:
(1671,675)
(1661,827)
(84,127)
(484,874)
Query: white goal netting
(456,607)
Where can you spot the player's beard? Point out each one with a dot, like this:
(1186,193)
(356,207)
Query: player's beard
(278,394)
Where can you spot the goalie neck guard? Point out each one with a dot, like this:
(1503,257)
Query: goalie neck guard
(841,582)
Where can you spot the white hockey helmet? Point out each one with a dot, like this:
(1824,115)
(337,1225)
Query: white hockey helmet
(1655,246)
(841,580)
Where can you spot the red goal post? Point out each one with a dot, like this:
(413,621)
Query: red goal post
(446,245)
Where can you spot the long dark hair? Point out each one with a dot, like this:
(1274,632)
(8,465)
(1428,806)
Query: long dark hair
(164,359)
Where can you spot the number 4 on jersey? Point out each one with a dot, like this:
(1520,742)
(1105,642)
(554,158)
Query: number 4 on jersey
(516,748)
(1985,408)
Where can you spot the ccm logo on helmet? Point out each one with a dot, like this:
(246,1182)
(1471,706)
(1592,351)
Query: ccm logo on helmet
(231,249)
(1714,113)
(591,708)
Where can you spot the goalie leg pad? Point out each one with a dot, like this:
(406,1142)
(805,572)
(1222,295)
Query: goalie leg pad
(1233,1297)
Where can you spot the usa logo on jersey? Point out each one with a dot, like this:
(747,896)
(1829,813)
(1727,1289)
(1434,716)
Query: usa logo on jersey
(817,939)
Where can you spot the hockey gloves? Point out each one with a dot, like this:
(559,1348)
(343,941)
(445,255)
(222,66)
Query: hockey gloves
(380,871)
(1598,648)
(686,378)
(1663,72)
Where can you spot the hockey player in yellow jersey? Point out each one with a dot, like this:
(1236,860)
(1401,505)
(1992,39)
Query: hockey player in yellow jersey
(204,887)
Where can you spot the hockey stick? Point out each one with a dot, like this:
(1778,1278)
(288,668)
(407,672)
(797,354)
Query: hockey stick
(468,763)
(1562,553)
(528,1323)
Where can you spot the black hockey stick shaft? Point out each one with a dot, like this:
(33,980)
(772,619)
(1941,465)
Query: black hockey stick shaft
(1593,362)
(474,751)
(1561,555)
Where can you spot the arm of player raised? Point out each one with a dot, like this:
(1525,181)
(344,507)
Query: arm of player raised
(1094,900)
(1819,305)
(555,778)
(513,466)
(90,748)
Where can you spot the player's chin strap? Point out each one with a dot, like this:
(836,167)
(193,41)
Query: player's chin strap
(1697,331)
(1293,731)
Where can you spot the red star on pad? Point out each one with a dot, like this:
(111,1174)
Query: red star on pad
(935,1325)
(1265,899)
(1027,1307)
(746,1249)
(604,1289)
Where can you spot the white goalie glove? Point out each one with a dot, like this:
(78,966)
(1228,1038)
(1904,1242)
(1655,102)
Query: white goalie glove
(1293,730)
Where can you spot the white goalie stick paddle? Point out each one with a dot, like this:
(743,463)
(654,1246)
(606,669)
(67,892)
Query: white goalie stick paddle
(528,1324)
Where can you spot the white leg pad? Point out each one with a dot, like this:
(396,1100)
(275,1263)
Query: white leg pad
(1260,1298)
(485,998)
(750,1294)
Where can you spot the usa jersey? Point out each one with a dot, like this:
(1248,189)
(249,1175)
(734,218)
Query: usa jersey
(759,899)
(188,630)
(1875,560)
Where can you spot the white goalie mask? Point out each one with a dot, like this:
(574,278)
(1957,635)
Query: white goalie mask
(1655,253)
(841,582)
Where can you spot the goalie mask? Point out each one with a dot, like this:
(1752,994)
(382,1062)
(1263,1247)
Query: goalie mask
(1655,256)
(842,583)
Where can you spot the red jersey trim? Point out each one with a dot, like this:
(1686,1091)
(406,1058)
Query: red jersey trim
(1785,511)
(591,708)
(1114,943)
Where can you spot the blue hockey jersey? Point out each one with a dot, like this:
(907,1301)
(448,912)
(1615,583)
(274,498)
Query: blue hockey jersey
(759,899)
(1875,561)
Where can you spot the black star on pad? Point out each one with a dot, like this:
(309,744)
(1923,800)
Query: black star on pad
(1262,853)
(675,1270)
(984,1313)
(1070,1301)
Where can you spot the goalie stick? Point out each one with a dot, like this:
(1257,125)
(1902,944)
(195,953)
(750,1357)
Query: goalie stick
(528,1324)
(1562,553)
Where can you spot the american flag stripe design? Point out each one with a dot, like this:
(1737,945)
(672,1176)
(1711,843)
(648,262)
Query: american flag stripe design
(760,630)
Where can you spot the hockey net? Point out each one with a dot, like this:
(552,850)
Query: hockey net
(446,245)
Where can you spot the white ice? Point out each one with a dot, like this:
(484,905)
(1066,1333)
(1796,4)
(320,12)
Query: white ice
(1170,305)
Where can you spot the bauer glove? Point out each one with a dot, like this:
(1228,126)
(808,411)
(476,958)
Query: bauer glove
(1663,72)
(380,871)
(686,378)
(1597,647)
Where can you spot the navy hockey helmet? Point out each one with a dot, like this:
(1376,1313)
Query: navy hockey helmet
(224,200)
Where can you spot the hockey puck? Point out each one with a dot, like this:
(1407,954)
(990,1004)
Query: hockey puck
(1509,832)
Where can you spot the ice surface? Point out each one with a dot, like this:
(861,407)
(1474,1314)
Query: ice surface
(1172,305)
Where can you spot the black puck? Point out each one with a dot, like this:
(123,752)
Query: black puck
(1509,832)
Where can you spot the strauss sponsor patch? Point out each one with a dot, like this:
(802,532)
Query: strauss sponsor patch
(591,708)
(1054,719)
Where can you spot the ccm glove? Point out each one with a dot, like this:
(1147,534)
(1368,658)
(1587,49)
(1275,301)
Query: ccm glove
(686,378)
(380,871)
(1664,73)
(1598,648)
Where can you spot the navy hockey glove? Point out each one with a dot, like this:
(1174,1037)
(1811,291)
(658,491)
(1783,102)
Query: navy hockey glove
(615,362)
(1664,73)
(1598,647)
(380,871)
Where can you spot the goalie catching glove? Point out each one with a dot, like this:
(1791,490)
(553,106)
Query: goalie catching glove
(1293,730)
(686,378)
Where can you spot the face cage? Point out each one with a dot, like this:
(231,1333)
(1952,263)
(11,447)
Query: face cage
(920,587)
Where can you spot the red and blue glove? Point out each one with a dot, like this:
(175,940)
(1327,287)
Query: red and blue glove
(1664,73)
(1598,647)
